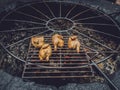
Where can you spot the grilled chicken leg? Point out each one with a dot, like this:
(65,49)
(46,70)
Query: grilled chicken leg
(37,41)
(73,43)
(57,41)
(45,52)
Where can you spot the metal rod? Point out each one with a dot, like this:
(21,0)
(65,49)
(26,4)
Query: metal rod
(80,13)
(40,12)
(94,40)
(24,21)
(26,38)
(92,17)
(70,10)
(103,33)
(108,56)
(26,61)
(23,29)
(72,52)
(59,72)
(49,9)
(83,76)
(55,67)
(65,53)
(12,54)
(57,60)
(31,16)
(36,57)
(103,24)
(50,64)
(111,84)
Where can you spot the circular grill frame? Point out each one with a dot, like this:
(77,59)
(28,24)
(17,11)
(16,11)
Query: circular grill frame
(69,3)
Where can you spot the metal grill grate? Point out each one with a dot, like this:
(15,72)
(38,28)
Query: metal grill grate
(64,63)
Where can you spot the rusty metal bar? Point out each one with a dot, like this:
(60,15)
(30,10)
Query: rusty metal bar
(56,63)
(57,59)
(55,67)
(61,72)
(85,76)
(26,62)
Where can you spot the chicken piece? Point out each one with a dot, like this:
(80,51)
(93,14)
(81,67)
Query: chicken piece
(73,43)
(45,52)
(57,41)
(37,41)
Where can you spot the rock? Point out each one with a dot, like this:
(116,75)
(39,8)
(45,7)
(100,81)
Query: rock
(91,86)
(4,79)
(116,79)
(8,82)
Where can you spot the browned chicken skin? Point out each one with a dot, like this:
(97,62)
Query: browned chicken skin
(45,52)
(57,41)
(37,41)
(73,43)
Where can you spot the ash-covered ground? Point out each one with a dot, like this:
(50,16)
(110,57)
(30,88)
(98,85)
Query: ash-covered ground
(8,82)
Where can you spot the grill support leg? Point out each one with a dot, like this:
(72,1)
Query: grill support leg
(110,83)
